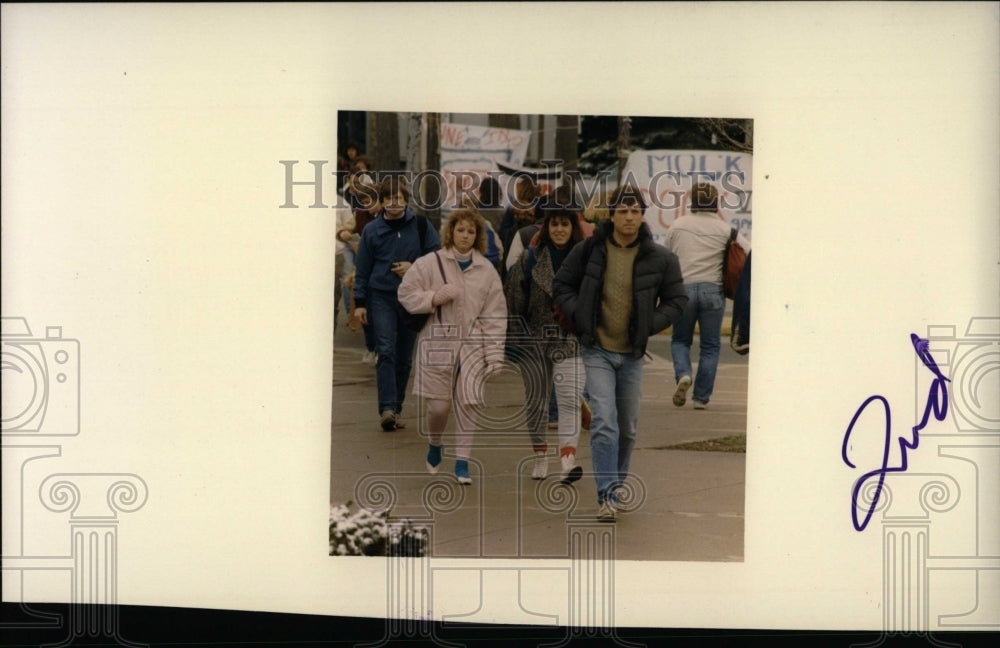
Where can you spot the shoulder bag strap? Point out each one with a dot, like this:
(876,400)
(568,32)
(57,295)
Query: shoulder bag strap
(444,278)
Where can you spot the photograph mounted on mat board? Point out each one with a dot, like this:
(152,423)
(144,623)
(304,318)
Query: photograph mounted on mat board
(153,223)
(517,465)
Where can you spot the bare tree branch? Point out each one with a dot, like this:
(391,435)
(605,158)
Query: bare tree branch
(720,129)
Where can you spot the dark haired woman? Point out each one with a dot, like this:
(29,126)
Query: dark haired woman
(550,356)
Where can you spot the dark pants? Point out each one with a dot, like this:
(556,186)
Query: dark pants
(394,346)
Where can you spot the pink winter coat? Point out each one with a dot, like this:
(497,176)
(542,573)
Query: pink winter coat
(467,332)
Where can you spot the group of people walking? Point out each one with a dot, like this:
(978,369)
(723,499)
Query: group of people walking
(573,311)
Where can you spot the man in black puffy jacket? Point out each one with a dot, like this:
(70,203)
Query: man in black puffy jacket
(614,290)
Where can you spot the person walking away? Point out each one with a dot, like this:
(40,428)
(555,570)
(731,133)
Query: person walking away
(462,291)
(550,358)
(388,247)
(615,290)
(520,213)
(699,241)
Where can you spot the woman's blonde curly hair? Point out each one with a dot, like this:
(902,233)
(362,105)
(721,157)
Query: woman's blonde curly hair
(448,230)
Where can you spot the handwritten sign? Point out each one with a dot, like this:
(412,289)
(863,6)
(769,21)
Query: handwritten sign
(469,153)
(665,178)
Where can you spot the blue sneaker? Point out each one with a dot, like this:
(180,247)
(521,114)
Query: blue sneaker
(462,472)
(433,458)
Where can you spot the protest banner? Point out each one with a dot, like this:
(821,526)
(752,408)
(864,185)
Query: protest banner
(665,178)
(469,153)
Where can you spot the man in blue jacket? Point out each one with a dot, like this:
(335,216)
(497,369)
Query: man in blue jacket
(615,290)
(388,246)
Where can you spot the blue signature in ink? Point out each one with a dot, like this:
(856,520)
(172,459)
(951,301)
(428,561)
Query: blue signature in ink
(937,404)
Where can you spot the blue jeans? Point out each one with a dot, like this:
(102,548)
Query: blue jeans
(348,255)
(394,346)
(706,306)
(614,386)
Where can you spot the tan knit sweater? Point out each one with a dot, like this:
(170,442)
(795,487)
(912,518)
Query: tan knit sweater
(616,299)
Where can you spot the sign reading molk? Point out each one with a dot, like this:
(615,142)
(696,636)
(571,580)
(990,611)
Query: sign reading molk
(665,178)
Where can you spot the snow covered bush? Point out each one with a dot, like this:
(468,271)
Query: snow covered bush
(370,533)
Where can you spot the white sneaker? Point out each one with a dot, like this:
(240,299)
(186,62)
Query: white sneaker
(606,513)
(541,468)
(683,385)
(570,471)
(368,357)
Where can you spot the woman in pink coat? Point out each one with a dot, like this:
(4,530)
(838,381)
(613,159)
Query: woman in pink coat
(462,344)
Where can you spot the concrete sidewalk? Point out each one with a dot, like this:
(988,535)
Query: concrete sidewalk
(687,505)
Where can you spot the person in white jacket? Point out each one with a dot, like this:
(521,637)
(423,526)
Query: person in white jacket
(699,240)
(462,344)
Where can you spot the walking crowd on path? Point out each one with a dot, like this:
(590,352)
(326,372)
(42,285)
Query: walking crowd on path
(571,302)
